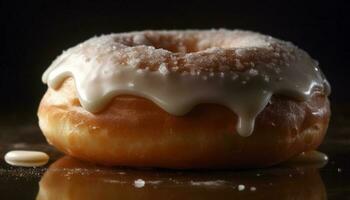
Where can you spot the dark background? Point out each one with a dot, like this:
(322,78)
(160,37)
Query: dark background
(33,33)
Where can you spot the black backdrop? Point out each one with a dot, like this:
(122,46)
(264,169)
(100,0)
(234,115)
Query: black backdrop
(33,33)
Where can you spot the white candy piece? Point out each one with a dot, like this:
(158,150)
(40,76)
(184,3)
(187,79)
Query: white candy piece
(139,183)
(241,187)
(310,157)
(26,158)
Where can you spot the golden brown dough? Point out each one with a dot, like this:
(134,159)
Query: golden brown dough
(133,131)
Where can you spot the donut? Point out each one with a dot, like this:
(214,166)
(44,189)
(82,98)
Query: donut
(185,100)
(69,178)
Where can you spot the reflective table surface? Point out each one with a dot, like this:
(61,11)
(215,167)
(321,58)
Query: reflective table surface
(67,178)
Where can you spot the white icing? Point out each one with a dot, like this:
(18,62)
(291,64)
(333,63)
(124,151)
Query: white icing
(100,75)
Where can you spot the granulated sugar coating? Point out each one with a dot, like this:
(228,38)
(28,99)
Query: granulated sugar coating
(187,50)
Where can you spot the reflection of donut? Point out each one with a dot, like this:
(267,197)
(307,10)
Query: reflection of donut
(184,99)
(68,178)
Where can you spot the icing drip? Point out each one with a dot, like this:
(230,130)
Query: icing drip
(107,66)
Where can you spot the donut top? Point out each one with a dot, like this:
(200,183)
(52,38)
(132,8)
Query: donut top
(178,70)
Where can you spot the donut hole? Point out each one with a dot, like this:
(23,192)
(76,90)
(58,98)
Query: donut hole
(164,41)
(176,46)
(177,43)
(193,41)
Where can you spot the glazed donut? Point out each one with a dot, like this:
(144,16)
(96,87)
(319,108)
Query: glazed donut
(185,99)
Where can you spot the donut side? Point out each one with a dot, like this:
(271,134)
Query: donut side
(133,131)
